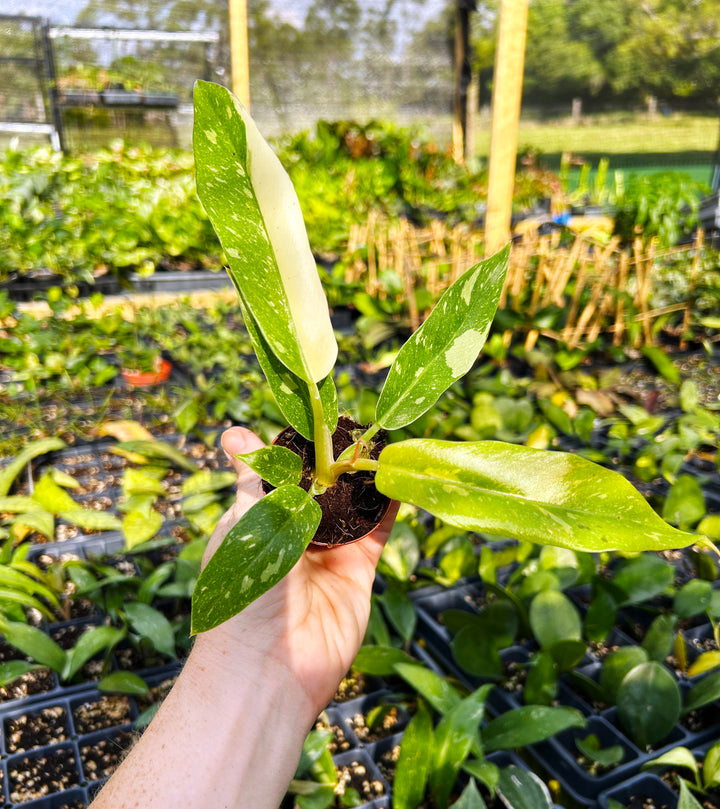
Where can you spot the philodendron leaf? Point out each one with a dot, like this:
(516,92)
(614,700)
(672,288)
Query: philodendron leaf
(445,347)
(278,466)
(51,497)
(648,703)
(88,645)
(522,789)
(13,669)
(617,664)
(152,624)
(552,498)
(687,800)
(677,757)
(554,618)
(435,689)
(123,682)
(33,450)
(34,643)
(380,661)
(258,551)
(528,725)
(470,798)
(91,520)
(159,450)
(253,207)
(36,520)
(205,481)
(455,735)
(704,692)
(138,527)
(290,391)
(413,765)
(593,750)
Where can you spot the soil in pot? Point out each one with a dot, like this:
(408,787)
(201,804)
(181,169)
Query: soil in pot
(156,694)
(36,776)
(389,722)
(355,776)
(39,681)
(703,718)
(708,800)
(46,726)
(339,742)
(101,758)
(643,802)
(355,684)
(353,506)
(105,712)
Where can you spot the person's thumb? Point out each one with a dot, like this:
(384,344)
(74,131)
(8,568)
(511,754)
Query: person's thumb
(236,441)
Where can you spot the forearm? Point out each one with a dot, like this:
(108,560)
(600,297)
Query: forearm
(227,736)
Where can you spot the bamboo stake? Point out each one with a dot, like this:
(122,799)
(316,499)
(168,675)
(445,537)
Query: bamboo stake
(695,266)
(619,330)
(370,241)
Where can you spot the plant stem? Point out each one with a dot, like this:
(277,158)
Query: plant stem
(369,433)
(322,439)
(358,465)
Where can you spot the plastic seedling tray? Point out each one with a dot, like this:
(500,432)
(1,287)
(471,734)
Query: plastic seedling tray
(372,775)
(354,713)
(559,758)
(677,736)
(68,799)
(49,719)
(57,766)
(92,711)
(332,719)
(644,785)
(101,753)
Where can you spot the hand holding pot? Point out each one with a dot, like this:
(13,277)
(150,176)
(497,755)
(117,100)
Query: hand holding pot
(314,620)
(231,730)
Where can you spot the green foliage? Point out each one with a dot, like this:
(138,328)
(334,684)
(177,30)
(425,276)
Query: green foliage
(662,205)
(120,209)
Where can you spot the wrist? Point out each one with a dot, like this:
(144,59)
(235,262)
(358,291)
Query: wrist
(253,666)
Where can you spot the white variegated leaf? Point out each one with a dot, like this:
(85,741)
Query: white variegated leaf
(445,347)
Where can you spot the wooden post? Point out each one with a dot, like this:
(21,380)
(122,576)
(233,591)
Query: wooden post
(239,51)
(507,91)
(460,146)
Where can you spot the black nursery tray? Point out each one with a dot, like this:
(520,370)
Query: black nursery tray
(75,738)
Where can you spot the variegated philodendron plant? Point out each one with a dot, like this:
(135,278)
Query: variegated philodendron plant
(513,491)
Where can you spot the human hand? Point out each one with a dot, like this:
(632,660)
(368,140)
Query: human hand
(312,623)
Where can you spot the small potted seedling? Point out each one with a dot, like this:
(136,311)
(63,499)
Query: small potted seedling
(513,491)
(142,365)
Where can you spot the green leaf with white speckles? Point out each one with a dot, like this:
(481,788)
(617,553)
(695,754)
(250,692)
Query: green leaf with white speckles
(552,498)
(253,207)
(277,465)
(445,347)
(259,550)
(290,391)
